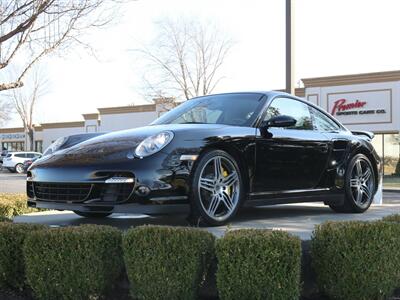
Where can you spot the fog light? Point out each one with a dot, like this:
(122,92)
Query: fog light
(341,172)
(143,190)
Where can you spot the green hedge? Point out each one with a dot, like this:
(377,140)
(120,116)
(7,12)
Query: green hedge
(5,219)
(12,267)
(166,262)
(12,205)
(392,218)
(73,263)
(258,264)
(356,260)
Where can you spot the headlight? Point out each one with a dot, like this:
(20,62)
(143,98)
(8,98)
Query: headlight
(55,146)
(154,143)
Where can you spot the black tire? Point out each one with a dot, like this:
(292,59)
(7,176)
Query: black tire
(227,190)
(92,214)
(353,184)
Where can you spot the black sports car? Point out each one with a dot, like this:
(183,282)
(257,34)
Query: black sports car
(208,157)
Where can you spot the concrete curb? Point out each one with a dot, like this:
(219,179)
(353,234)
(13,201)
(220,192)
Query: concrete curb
(391,190)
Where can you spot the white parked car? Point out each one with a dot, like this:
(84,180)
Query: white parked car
(14,161)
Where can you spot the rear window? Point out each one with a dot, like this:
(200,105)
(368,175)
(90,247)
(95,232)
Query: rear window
(9,155)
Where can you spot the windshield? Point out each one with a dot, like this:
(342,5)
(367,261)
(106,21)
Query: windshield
(228,109)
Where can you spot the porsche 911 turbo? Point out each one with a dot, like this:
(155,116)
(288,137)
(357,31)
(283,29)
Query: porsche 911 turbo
(210,156)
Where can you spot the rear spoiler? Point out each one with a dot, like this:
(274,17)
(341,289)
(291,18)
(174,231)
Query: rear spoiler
(368,134)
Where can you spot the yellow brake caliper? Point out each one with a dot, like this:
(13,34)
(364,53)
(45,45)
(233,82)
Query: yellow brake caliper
(225,174)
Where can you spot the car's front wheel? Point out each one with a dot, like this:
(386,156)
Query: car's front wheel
(92,214)
(360,186)
(217,189)
(19,168)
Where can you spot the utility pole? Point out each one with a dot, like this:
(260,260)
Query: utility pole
(289,47)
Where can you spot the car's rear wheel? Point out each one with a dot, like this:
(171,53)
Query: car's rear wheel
(217,189)
(92,214)
(360,186)
(19,168)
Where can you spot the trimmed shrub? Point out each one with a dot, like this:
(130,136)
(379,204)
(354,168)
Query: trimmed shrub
(166,262)
(356,260)
(258,264)
(13,205)
(4,219)
(392,218)
(12,267)
(74,262)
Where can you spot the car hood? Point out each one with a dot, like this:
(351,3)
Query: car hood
(130,139)
(117,145)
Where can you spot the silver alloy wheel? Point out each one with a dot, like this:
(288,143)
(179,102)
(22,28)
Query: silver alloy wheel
(362,182)
(19,168)
(219,188)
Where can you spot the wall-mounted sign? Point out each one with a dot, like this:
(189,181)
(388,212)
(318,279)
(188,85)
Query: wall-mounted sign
(12,136)
(361,107)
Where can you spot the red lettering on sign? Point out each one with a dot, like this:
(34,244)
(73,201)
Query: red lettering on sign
(342,105)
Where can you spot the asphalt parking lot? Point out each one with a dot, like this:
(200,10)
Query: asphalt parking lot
(12,182)
(298,219)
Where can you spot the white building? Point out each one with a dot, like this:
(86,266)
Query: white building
(361,102)
(107,119)
(364,102)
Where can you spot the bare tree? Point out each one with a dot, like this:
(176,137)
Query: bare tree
(25,99)
(31,29)
(6,109)
(185,59)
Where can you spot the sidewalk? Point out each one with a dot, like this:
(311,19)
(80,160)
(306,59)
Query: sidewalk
(298,219)
(391,189)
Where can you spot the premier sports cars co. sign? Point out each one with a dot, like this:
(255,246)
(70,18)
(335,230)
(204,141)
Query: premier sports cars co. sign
(361,107)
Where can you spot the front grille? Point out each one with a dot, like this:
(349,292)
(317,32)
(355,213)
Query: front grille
(29,189)
(80,192)
(116,192)
(61,191)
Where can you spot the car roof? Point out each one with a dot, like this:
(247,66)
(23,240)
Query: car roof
(266,93)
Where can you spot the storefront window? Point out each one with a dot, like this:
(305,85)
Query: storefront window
(39,146)
(388,148)
(392,160)
(392,144)
(377,142)
(13,146)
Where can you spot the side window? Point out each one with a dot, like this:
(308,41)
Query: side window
(293,108)
(20,155)
(30,155)
(323,122)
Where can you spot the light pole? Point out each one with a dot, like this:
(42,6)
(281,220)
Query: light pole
(289,47)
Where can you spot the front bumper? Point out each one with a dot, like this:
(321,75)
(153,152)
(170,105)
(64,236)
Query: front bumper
(154,185)
(133,208)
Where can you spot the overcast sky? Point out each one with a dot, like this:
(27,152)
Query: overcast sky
(332,37)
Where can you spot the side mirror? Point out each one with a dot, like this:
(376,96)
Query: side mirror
(280,121)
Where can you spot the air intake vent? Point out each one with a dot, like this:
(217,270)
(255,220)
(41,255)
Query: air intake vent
(61,192)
